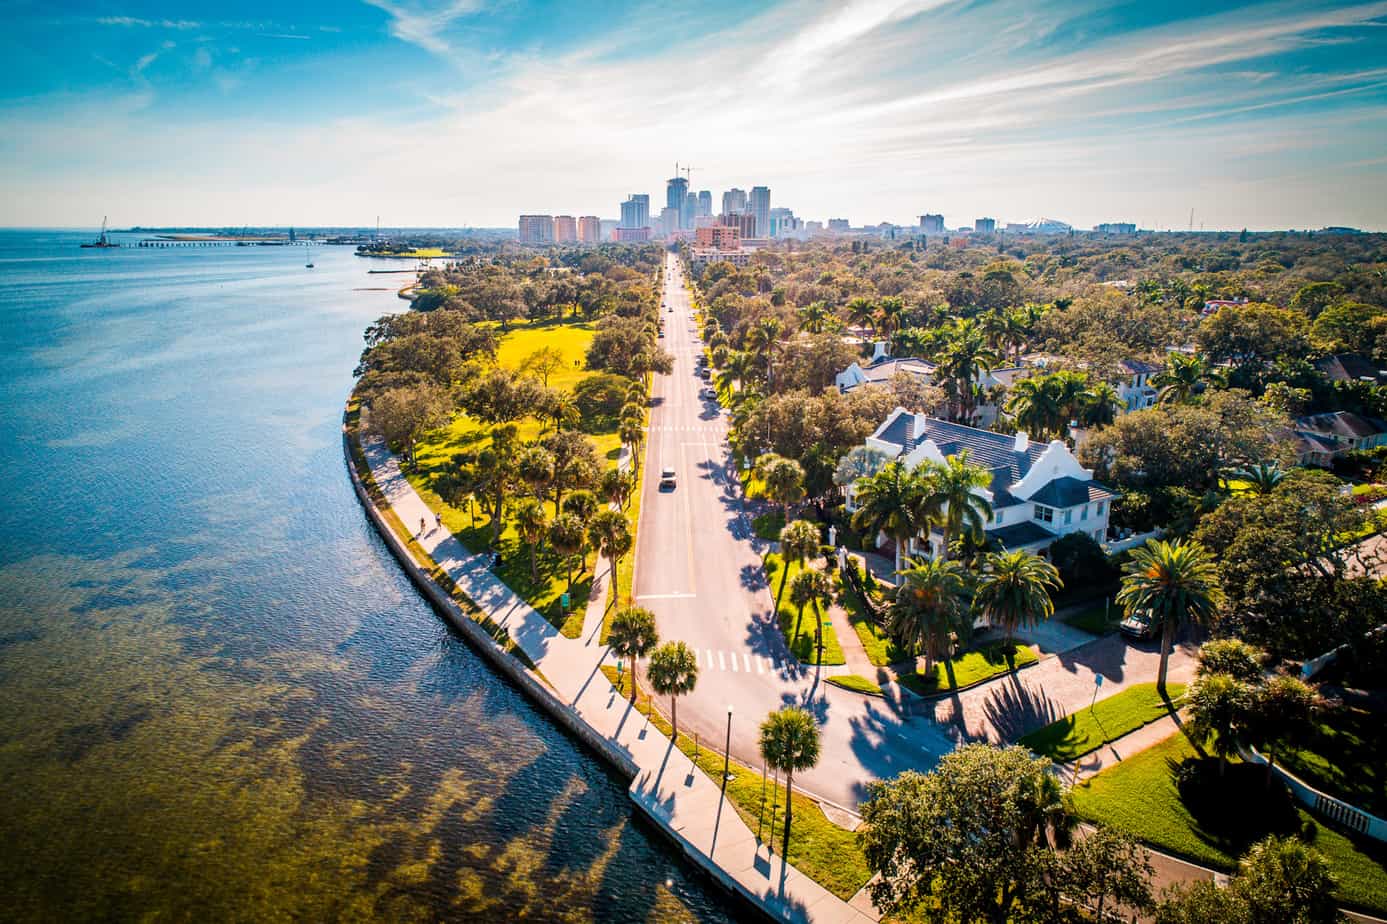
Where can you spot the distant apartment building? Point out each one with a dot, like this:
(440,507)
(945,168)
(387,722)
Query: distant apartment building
(702,256)
(589,229)
(985,225)
(839,225)
(668,222)
(690,210)
(635,212)
(783,223)
(734,201)
(744,222)
(1115,227)
(676,198)
(565,229)
(536,229)
(631,234)
(705,203)
(931,224)
(609,226)
(759,204)
(719,237)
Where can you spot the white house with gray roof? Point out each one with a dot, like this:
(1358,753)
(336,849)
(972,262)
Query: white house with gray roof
(1039,491)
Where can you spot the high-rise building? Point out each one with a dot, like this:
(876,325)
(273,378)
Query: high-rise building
(537,229)
(589,229)
(565,229)
(668,222)
(675,191)
(744,222)
(985,225)
(690,210)
(720,237)
(759,204)
(931,224)
(783,222)
(734,200)
(705,203)
(839,225)
(635,211)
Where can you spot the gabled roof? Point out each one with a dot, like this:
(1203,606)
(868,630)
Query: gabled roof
(1019,535)
(884,369)
(1350,367)
(1341,425)
(1139,366)
(994,451)
(1070,492)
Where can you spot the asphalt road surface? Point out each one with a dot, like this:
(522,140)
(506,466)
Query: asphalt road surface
(698,569)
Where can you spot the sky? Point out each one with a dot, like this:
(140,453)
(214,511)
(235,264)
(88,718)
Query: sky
(453,113)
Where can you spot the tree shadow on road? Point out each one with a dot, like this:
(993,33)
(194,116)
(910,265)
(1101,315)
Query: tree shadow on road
(1013,709)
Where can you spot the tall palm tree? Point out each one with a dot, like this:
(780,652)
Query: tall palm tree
(1014,590)
(610,533)
(1173,582)
(1073,394)
(1047,813)
(631,436)
(1262,477)
(966,356)
(885,502)
(798,541)
(568,538)
(531,521)
(672,672)
(809,588)
(789,741)
(1099,407)
(1184,378)
(737,371)
(783,480)
(816,317)
(950,497)
(931,604)
(891,312)
(761,341)
(862,313)
(1035,404)
(633,635)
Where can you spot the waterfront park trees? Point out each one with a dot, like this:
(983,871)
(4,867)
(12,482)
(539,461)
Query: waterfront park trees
(672,672)
(1174,583)
(633,635)
(789,741)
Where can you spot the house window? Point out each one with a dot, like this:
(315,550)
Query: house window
(1083,514)
(1044,514)
(1100,507)
(996,516)
(1068,517)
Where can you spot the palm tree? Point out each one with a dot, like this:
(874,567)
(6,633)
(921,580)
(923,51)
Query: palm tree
(890,311)
(1099,407)
(761,340)
(966,356)
(1047,815)
(950,497)
(610,534)
(1218,704)
(931,605)
(798,541)
(789,741)
(563,409)
(616,486)
(568,539)
(672,672)
(1184,378)
(816,317)
(885,502)
(536,469)
(532,521)
(862,313)
(1282,711)
(631,436)
(1073,394)
(809,588)
(783,480)
(1035,405)
(1014,590)
(736,371)
(633,635)
(1173,582)
(1262,478)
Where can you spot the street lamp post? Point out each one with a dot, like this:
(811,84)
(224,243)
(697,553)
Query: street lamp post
(727,751)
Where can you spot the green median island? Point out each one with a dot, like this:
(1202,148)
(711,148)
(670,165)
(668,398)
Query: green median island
(856,683)
(799,627)
(1107,720)
(970,667)
(1176,800)
(819,849)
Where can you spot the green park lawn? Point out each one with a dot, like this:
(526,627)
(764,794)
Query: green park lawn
(1140,796)
(1089,729)
(820,849)
(969,668)
(797,628)
(881,648)
(856,683)
(1345,756)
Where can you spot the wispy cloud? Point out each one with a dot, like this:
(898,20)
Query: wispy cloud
(425,26)
(148,23)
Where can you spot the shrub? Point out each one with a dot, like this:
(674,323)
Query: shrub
(601,396)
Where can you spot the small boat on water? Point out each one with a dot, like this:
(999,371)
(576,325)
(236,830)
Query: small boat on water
(102,241)
(308,254)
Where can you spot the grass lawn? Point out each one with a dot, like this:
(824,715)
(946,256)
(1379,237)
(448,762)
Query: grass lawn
(969,668)
(820,849)
(799,629)
(1091,618)
(881,648)
(1345,756)
(626,568)
(1088,729)
(1140,796)
(857,683)
(768,525)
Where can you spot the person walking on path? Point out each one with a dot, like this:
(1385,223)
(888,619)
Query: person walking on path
(421,526)
(438,520)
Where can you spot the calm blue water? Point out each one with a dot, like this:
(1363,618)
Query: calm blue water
(219,699)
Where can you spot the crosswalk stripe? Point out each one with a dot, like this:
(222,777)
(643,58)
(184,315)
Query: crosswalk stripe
(733,659)
(721,666)
(746,659)
(760,668)
(710,658)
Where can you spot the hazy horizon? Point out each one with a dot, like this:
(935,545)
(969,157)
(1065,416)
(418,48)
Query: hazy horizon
(463,113)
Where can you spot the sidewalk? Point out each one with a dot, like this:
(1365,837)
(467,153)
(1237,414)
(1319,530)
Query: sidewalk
(669,787)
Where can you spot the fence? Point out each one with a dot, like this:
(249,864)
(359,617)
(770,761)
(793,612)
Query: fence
(1336,810)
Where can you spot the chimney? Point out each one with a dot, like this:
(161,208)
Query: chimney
(880,350)
(1023,442)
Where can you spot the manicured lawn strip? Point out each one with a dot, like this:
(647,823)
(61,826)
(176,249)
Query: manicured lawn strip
(626,568)
(969,668)
(1139,796)
(857,683)
(768,525)
(1346,756)
(1088,729)
(1091,618)
(801,642)
(820,849)
(881,648)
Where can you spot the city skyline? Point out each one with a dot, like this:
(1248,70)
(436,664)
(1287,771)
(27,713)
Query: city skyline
(1254,115)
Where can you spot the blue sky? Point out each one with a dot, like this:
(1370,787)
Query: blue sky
(467,112)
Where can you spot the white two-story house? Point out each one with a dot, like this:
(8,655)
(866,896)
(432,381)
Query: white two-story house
(1039,491)
(1134,387)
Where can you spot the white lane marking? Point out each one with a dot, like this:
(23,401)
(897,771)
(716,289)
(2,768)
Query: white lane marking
(733,659)
(721,665)
(760,667)
(710,658)
(746,659)
(673,596)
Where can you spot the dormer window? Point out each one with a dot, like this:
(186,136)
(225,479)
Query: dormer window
(1044,514)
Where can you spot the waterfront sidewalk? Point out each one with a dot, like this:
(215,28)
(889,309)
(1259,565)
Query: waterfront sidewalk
(669,787)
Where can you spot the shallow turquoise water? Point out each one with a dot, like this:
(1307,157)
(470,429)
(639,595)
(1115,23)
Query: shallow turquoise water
(219,699)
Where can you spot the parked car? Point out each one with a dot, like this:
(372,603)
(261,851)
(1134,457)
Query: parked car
(667,478)
(1140,626)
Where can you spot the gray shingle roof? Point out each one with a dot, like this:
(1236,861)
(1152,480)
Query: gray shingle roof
(993,451)
(1070,492)
(1020,534)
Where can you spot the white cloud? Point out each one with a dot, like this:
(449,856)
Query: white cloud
(425,26)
